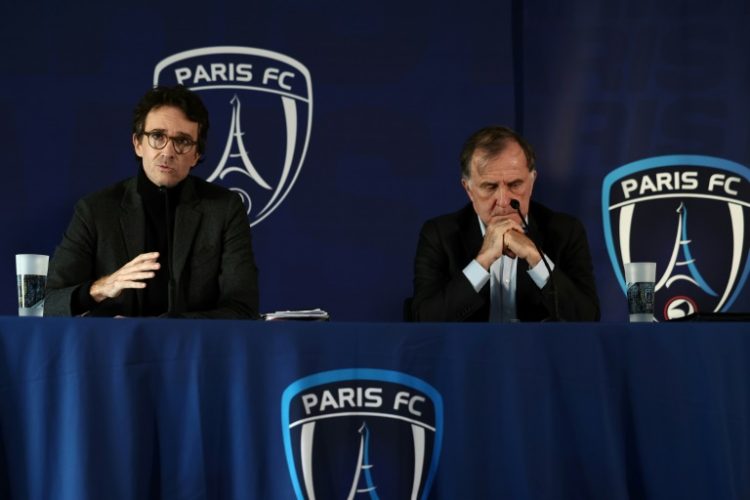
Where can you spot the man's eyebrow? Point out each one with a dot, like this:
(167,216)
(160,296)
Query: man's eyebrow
(178,134)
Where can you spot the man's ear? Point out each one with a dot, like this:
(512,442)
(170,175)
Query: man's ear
(138,146)
(467,187)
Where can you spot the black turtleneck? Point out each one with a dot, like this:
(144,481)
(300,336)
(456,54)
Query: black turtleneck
(155,202)
(155,297)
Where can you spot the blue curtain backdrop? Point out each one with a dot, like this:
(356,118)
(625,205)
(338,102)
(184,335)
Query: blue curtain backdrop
(395,89)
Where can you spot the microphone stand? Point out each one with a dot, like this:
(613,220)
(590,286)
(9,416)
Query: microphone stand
(515,205)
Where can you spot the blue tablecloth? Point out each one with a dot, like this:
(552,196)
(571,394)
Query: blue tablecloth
(137,409)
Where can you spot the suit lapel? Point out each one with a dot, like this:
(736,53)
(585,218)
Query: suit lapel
(133,225)
(528,296)
(536,234)
(133,222)
(472,239)
(471,233)
(187,220)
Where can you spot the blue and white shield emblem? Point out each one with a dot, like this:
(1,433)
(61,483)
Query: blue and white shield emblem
(687,213)
(260,106)
(361,433)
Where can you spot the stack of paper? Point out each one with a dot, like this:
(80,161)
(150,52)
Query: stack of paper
(304,315)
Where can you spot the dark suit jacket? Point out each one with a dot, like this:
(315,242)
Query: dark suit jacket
(214,267)
(448,243)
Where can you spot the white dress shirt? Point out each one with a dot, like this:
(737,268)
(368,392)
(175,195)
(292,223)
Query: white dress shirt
(502,278)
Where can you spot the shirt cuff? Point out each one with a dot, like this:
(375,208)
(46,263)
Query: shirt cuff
(539,273)
(476,274)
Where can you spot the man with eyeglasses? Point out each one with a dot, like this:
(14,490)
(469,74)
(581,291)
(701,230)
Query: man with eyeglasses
(162,243)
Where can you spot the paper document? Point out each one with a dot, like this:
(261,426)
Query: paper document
(308,315)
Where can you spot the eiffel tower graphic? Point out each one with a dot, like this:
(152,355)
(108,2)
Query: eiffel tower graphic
(234,149)
(363,471)
(674,271)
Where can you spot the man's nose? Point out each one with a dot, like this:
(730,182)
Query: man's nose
(169,149)
(502,197)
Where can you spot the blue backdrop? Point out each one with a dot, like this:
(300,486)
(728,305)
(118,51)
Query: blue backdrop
(394,88)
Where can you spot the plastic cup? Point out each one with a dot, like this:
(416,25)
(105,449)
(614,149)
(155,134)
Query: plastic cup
(31,278)
(640,278)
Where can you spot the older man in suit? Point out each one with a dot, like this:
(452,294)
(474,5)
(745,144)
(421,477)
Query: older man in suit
(485,263)
(162,243)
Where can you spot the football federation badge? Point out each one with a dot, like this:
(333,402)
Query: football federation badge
(686,213)
(260,107)
(361,434)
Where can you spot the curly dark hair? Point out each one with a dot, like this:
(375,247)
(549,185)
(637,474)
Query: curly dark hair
(180,97)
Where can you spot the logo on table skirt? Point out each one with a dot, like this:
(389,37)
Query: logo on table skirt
(686,213)
(260,105)
(361,433)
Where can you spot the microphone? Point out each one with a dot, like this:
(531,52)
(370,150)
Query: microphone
(168,222)
(516,205)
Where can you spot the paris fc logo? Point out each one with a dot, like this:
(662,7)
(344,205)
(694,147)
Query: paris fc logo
(686,213)
(361,434)
(260,104)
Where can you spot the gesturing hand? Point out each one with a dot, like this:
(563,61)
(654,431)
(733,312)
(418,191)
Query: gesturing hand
(131,275)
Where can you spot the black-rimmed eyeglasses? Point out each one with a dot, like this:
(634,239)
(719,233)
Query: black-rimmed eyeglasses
(159,140)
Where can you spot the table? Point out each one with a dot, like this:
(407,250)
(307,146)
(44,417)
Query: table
(155,408)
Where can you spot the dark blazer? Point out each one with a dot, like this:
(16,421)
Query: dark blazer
(213,265)
(448,243)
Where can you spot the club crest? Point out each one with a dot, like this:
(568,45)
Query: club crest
(361,433)
(686,213)
(260,104)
